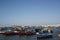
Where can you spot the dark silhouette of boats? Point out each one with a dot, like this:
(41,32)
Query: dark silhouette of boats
(27,31)
(20,32)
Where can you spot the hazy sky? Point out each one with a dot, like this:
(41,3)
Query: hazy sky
(29,12)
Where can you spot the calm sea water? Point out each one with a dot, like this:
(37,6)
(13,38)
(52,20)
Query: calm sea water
(32,37)
(17,37)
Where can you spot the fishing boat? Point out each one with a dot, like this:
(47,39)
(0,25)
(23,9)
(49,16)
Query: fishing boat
(45,34)
(10,32)
(28,31)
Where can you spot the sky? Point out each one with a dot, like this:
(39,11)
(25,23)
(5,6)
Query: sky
(29,12)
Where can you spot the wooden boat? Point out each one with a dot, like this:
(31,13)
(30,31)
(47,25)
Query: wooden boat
(10,33)
(26,33)
(19,32)
(30,33)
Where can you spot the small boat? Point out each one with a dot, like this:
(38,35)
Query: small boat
(28,31)
(45,34)
(10,32)
(18,31)
(2,32)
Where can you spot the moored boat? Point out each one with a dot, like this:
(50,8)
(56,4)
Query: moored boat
(45,34)
(27,32)
(20,32)
(10,33)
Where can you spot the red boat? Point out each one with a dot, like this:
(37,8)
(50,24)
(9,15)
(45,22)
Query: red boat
(30,33)
(19,32)
(11,33)
(26,33)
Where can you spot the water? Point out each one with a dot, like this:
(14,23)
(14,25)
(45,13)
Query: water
(32,37)
(17,37)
